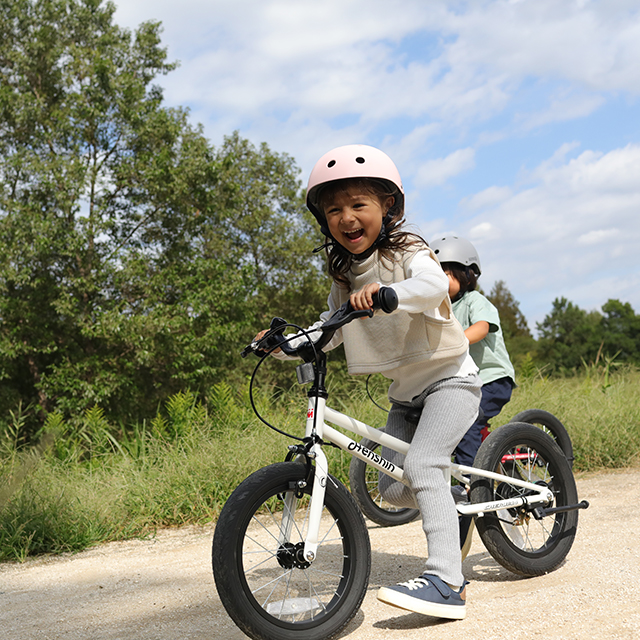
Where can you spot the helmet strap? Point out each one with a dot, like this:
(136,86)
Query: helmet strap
(326,245)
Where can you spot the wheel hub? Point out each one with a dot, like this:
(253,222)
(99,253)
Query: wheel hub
(292,555)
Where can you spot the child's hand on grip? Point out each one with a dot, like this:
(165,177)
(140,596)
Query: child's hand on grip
(363,299)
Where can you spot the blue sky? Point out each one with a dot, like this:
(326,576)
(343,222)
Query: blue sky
(514,123)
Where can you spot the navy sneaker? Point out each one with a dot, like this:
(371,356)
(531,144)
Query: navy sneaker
(427,595)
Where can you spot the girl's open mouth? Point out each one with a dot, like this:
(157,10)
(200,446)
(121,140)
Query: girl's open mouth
(355,234)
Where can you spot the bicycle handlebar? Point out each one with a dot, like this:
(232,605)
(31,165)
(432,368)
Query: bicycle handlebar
(385,299)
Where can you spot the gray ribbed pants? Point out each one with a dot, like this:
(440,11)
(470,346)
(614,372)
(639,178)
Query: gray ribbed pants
(449,408)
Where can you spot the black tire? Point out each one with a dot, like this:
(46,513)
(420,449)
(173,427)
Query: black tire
(257,575)
(514,537)
(363,480)
(551,425)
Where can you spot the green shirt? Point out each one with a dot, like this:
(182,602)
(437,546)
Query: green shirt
(490,354)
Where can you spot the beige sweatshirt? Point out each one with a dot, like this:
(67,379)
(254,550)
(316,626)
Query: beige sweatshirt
(418,344)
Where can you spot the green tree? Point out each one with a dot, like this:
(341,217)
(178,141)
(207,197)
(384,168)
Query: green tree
(517,336)
(78,116)
(621,331)
(134,257)
(265,225)
(569,336)
(511,318)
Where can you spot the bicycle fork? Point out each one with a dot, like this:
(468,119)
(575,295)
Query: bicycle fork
(315,418)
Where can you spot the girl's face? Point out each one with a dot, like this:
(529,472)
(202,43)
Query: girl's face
(454,285)
(355,218)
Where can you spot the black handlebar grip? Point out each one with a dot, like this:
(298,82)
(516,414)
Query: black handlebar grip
(386,299)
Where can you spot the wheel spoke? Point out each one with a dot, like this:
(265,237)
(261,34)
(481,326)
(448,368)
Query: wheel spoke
(521,538)
(519,526)
(263,578)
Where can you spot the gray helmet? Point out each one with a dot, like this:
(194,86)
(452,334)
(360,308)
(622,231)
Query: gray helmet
(454,249)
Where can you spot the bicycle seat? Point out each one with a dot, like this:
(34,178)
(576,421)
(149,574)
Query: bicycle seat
(412,417)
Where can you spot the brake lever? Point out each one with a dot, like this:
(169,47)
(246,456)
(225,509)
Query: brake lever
(269,341)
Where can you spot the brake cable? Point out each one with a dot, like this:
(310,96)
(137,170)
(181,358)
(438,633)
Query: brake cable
(371,397)
(253,376)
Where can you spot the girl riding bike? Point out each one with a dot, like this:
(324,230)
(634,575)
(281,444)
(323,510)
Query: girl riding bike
(356,195)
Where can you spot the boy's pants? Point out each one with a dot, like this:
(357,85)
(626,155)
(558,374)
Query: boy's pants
(495,395)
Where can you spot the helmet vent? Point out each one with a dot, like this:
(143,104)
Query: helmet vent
(331,163)
(360,160)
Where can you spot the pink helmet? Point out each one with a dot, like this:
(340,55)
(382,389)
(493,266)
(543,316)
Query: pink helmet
(350,161)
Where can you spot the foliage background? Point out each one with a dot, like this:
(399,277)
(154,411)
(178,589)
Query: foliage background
(94,482)
(136,259)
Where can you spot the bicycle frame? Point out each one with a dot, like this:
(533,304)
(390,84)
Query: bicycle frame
(318,431)
(318,414)
(271,574)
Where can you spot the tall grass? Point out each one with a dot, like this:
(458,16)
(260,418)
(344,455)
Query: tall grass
(600,409)
(91,481)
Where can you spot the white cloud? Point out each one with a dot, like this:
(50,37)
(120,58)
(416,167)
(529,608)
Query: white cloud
(598,236)
(432,83)
(566,234)
(487,198)
(594,44)
(568,106)
(558,159)
(592,294)
(482,231)
(326,59)
(436,172)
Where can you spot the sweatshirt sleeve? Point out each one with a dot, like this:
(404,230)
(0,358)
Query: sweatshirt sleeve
(426,286)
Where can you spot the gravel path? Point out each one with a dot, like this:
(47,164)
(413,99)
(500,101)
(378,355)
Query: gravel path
(162,588)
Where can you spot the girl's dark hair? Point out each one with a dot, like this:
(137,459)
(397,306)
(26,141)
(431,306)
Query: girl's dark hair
(339,260)
(466,276)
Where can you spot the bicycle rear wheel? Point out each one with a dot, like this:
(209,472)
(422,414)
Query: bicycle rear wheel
(363,480)
(516,538)
(551,425)
(263,581)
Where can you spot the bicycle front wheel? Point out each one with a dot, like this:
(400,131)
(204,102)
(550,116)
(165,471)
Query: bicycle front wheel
(265,584)
(515,537)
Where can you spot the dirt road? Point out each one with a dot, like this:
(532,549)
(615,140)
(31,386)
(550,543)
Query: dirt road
(162,589)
